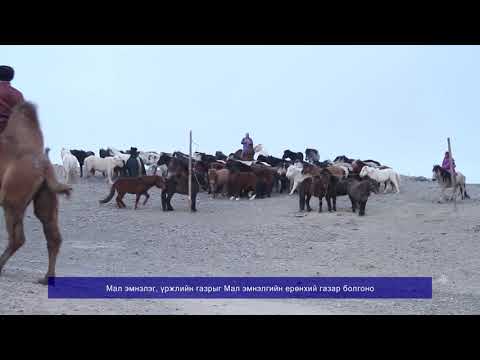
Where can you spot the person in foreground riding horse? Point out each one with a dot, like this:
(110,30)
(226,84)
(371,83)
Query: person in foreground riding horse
(247,143)
(9,96)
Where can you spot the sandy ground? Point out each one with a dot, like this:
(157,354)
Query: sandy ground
(406,234)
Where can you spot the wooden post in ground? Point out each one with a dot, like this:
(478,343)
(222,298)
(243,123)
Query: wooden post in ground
(190,172)
(454,180)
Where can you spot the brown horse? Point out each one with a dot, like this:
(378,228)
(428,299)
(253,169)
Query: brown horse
(26,175)
(133,185)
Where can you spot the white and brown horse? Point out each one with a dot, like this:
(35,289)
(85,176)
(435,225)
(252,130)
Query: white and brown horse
(444,179)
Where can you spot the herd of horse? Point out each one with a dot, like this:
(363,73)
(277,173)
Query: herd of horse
(27,175)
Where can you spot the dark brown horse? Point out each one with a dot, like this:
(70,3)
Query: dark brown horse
(177,182)
(26,175)
(242,182)
(321,185)
(133,185)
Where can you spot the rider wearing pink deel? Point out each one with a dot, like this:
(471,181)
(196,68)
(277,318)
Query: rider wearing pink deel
(446,164)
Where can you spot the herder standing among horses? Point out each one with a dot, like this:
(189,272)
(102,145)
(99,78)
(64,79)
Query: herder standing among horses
(9,96)
(135,166)
(247,152)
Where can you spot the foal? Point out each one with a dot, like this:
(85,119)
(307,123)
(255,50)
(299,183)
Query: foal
(134,185)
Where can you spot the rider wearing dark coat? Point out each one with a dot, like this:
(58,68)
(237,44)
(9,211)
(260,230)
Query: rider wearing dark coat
(9,96)
(134,165)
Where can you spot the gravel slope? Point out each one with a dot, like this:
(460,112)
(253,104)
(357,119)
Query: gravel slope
(406,234)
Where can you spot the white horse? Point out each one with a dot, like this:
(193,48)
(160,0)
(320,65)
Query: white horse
(149,158)
(294,174)
(70,164)
(382,176)
(259,150)
(444,180)
(105,165)
(161,170)
(117,152)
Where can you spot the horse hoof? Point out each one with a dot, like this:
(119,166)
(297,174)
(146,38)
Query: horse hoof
(43,281)
(253,197)
(232,198)
(237,198)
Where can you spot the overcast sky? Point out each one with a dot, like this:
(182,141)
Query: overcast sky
(395,104)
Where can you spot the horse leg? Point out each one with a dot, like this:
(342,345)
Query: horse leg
(442,195)
(146,198)
(45,204)
(329,203)
(294,187)
(320,204)
(334,198)
(395,183)
(169,205)
(307,201)
(164,200)
(363,204)
(301,197)
(194,201)
(136,200)
(119,201)
(16,236)
(354,204)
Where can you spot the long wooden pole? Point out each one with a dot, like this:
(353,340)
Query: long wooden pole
(454,180)
(190,171)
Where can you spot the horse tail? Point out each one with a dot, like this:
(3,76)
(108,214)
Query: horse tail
(109,197)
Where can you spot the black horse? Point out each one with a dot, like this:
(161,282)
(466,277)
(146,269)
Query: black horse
(220,156)
(237,166)
(105,153)
(312,155)
(81,155)
(343,158)
(177,182)
(358,190)
(271,160)
(164,159)
(293,156)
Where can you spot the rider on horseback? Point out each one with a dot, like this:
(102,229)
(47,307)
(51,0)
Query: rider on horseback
(247,151)
(446,163)
(9,96)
